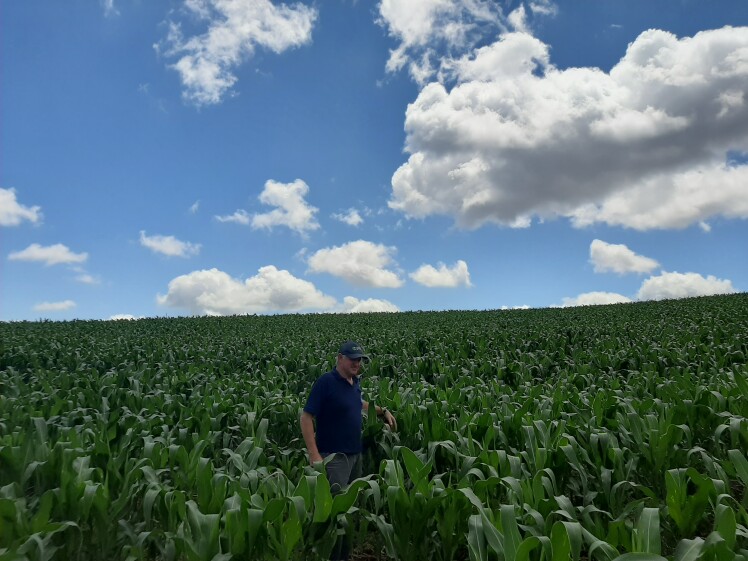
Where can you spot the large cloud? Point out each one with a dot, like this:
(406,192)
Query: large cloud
(361,263)
(214,292)
(683,285)
(643,146)
(12,213)
(292,210)
(445,277)
(49,255)
(168,245)
(617,258)
(235,29)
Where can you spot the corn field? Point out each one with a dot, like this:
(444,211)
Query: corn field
(600,433)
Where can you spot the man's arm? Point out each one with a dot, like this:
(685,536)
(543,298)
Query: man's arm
(388,417)
(307,431)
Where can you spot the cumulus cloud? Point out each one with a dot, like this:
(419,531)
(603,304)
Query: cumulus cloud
(235,29)
(214,292)
(54,306)
(49,255)
(643,146)
(239,217)
(195,207)
(353,305)
(351,217)
(617,258)
(12,213)
(360,263)
(292,210)
(595,299)
(683,285)
(444,276)
(168,245)
(124,317)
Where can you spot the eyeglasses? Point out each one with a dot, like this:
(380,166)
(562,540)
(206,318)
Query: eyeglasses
(354,359)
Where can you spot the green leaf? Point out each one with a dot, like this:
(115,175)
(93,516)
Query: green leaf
(688,550)
(322,499)
(476,539)
(566,541)
(512,536)
(647,532)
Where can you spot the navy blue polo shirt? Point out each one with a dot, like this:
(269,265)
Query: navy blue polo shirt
(336,407)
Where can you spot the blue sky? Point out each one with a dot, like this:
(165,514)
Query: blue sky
(245,156)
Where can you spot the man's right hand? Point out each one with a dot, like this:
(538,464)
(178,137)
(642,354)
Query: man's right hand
(315,458)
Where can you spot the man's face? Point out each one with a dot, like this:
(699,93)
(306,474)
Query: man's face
(349,367)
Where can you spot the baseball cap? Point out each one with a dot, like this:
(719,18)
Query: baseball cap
(351,349)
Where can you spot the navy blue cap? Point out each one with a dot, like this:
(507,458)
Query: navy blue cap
(351,349)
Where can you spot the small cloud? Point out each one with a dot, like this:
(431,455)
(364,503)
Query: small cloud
(239,217)
(291,211)
(234,31)
(683,285)
(353,305)
(522,307)
(360,263)
(109,9)
(444,276)
(12,213)
(595,299)
(54,306)
(86,278)
(617,258)
(168,245)
(126,317)
(351,217)
(195,207)
(49,255)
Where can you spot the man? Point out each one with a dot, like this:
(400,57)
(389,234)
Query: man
(336,404)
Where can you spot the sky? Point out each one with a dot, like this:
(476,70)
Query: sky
(221,157)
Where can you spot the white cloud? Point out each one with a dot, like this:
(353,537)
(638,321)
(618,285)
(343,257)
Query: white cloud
(239,217)
(361,263)
(291,209)
(87,278)
(617,258)
(54,306)
(195,207)
(214,292)
(235,28)
(353,305)
(683,285)
(446,277)
(168,245)
(109,8)
(595,299)
(424,28)
(351,217)
(127,317)
(643,146)
(12,213)
(49,255)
